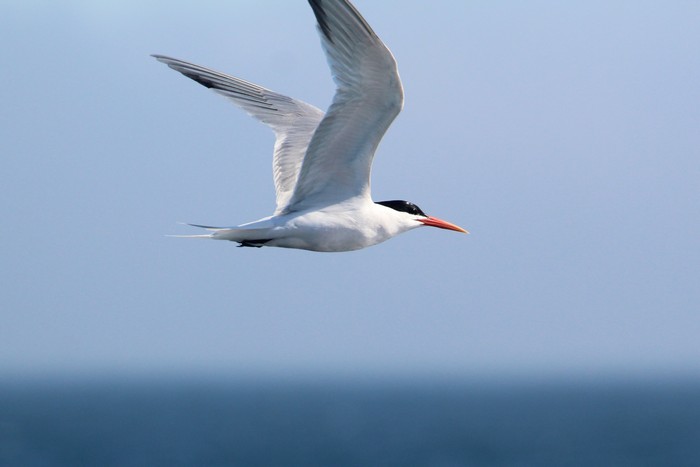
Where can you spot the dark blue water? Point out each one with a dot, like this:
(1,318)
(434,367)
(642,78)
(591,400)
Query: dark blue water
(176,423)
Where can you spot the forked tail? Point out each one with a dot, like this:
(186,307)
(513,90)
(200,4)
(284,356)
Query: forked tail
(245,236)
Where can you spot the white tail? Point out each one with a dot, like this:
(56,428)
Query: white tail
(253,234)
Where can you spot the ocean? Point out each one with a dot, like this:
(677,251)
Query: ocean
(305,423)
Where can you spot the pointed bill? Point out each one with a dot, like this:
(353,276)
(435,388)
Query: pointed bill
(440,224)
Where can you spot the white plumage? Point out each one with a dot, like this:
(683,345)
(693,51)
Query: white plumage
(322,163)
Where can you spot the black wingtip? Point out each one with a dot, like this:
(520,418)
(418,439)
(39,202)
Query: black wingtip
(182,68)
(320,8)
(207,83)
(321,18)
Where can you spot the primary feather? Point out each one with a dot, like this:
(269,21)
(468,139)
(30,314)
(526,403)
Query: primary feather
(292,120)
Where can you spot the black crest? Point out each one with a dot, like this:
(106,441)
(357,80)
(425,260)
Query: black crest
(403,206)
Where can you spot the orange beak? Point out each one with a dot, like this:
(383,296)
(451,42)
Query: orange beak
(440,224)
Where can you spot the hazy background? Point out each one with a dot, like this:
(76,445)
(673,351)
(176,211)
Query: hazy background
(564,135)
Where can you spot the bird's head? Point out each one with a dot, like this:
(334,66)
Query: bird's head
(419,216)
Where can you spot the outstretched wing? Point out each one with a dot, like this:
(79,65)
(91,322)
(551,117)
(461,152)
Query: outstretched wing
(293,121)
(369,96)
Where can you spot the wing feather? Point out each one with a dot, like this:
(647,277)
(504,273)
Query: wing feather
(293,121)
(369,96)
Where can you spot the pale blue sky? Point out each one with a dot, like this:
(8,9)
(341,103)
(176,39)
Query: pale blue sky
(564,135)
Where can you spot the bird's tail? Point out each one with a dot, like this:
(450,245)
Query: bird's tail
(242,234)
(207,227)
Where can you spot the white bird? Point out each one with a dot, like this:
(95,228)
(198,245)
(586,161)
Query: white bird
(322,163)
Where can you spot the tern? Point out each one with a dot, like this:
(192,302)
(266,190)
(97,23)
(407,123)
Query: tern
(322,162)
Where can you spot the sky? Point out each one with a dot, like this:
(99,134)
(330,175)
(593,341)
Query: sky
(563,135)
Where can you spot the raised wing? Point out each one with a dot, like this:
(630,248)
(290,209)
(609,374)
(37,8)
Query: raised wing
(293,121)
(338,161)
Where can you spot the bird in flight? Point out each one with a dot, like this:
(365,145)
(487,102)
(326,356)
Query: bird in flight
(322,162)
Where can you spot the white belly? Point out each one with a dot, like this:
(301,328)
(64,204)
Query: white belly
(320,232)
(342,227)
